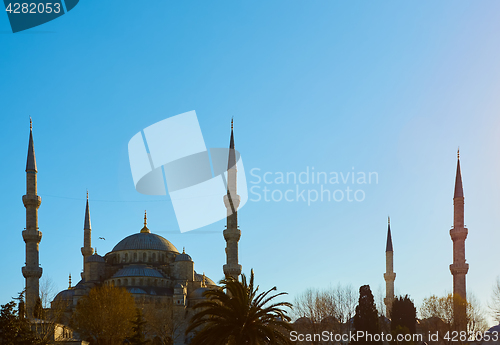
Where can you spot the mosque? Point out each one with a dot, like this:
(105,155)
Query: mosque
(147,265)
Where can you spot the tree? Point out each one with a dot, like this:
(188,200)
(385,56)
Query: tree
(404,314)
(15,329)
(366,318)
(438,315)
(404,317)
(105,315)
(138,337)
(330,309)
(160,322)
(236,314)
(495,301)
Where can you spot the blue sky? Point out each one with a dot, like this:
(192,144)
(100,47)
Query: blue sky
(389,87)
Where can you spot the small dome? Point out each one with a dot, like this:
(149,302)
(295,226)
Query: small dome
(199,278)
(183,257)
(138,271)
(145,241)
(65,295)
(95,258)
(136,291)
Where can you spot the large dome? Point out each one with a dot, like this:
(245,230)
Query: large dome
(145,241)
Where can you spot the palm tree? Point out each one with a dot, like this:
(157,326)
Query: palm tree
(235,315)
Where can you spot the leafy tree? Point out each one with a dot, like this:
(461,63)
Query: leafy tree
(38,312)
(404,314)
(437,314)
(366,318)
(15,330)
(404,317)
(161,323)
(138,337)
(237,315)
(105,316)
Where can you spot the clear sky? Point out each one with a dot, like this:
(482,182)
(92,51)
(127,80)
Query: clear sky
(389,87)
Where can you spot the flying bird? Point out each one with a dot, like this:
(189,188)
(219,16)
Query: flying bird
(102,238)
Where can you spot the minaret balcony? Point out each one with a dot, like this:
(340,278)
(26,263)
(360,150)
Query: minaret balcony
(459,234)
(232,270)
(459,268)
(390,276)
(32,200)
(232,234)
(235,198)
(32,236)
(31,272)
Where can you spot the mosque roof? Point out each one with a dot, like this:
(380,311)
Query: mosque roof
(95,258)
(65,295)
(138,271)
(145,241)
(183,257)
(199,278)
(198,293)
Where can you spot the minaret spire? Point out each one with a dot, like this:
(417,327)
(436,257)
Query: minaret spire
(32,237)
(232,200)
(87,249)
(459,267)
(145,228)
(389,274)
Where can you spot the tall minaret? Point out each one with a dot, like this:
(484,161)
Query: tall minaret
(459,267)
(87,249)
(389,274)
(32,237)
(232,200)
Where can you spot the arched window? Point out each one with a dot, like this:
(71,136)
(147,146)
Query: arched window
(125,282)
(126,257)
(154,257)
(144,257)
(133,281)
(135,257)
(119,282)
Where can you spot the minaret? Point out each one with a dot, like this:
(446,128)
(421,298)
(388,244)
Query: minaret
(389,274)
(87,249)
(458,233)
(232,200)
(32,237)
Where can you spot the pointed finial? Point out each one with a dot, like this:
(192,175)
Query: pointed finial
(69,282)
(87,194)
(145,228)
(204,283)
(31,124)
(458,153)
(96,251)
(231,123)
(183,250)
(388,220)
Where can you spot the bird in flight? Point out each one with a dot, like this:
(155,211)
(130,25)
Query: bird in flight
(102,238)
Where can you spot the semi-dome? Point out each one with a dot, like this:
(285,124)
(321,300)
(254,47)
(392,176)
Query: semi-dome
(138,271)
(145,241)
(65,295)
